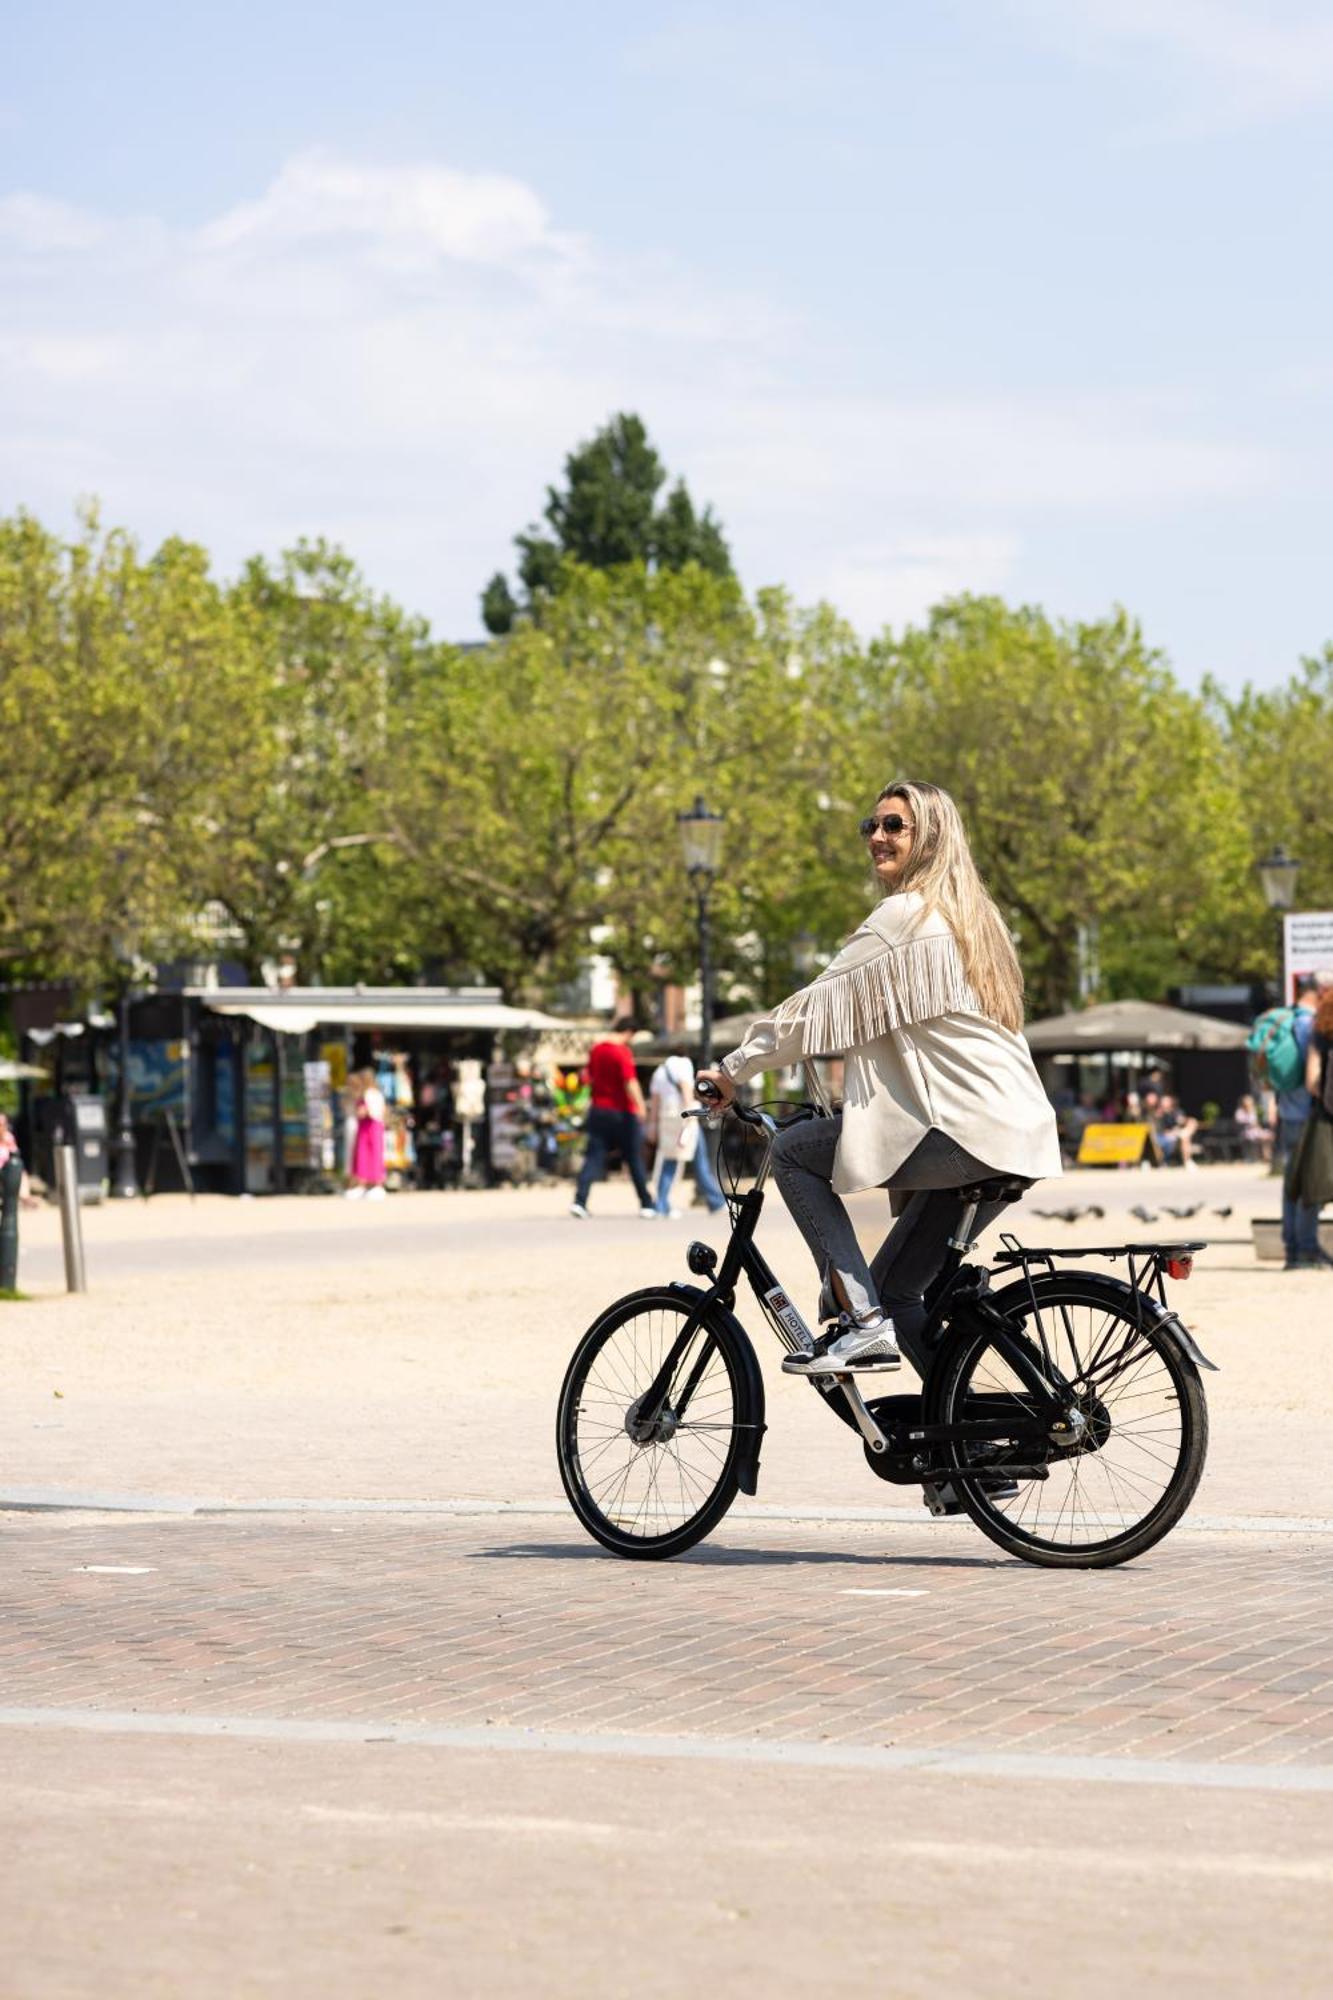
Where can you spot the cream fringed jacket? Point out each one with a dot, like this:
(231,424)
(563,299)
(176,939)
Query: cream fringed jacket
(918,1052)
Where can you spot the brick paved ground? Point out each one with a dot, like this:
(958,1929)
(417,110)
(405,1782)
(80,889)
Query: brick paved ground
(411,1754)
(1215,1649)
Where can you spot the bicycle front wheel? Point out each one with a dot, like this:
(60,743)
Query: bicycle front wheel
(652,1489)
(1142,1425)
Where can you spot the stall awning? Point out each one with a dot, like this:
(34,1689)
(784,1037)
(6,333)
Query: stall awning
(1132,1024)
(298,1010)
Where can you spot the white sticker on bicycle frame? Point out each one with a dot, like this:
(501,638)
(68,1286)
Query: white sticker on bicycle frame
(785,1313)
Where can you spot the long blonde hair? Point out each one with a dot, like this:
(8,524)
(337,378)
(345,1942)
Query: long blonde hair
(940,870)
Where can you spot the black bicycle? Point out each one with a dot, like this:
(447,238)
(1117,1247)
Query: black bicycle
(1063,1411)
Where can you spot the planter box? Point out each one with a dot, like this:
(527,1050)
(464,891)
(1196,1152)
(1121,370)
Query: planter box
(1267,1231)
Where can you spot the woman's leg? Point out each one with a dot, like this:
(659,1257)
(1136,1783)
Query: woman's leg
(913,1252)
(803,1169)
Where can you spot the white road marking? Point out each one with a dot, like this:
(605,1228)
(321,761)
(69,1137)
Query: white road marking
(866,1590)
(114,1569)
(962,1762)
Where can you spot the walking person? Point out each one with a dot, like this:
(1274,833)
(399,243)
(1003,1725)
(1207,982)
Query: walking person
(1280,1044)
(1308,1181)
(367,1170)
(615,1119)
(925,1006)
(670,1095)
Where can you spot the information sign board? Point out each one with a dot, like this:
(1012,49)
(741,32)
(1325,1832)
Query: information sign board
(1307,939)
(1113,1145)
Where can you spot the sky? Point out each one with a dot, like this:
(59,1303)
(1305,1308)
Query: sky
(1024,296)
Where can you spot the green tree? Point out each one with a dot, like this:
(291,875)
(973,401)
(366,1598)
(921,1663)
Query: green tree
(303,858)
(1280,751)
(545,780)
(1094,788)
(124,688)
(607,514)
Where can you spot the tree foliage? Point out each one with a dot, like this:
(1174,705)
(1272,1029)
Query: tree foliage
(301,756)
(607,514)
(1094,788)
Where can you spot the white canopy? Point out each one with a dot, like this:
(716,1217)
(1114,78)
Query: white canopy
(297,1010)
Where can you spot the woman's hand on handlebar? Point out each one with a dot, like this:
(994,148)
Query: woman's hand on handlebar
(714,1087)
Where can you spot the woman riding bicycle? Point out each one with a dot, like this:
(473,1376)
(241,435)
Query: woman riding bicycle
(925,1006)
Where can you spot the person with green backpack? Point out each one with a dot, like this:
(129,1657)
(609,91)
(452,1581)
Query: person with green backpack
(1279,1043)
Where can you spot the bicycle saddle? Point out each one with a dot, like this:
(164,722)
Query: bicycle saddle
(1003,1187)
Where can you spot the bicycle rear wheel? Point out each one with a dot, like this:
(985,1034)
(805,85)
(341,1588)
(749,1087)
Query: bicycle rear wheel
(1139,1454)
(652,1491)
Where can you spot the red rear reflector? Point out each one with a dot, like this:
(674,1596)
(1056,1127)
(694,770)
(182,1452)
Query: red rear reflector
(1179,1267)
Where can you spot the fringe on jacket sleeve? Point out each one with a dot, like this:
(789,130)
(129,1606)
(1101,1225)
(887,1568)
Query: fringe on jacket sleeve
(860,1002)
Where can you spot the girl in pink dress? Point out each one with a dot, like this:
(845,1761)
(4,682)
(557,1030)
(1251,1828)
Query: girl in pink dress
(367,1169)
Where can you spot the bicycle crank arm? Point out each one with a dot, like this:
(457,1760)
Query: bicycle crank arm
(865,1423)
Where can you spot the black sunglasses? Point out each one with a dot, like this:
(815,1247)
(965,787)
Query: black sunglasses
(888,823)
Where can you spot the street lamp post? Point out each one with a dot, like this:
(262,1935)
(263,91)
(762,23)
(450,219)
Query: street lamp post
(1277,878)
(701,845)
(124,1178)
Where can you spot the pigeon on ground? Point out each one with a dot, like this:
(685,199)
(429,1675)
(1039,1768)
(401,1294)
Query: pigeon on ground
(1144,1214)
(1183,1214)
(1223,1212)
(1094,1211)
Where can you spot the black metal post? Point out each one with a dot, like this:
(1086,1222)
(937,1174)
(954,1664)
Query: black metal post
(124,1176)
(1284,998)
(11,1179)
(279,1076)
(702,887)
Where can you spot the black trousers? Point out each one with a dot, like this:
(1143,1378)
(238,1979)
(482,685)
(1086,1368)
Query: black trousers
(624,1131)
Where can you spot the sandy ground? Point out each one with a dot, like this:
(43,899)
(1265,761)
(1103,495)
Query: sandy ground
(413,1349)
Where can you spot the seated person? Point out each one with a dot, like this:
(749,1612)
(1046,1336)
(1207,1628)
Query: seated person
(1174,1130)
(1256,1138)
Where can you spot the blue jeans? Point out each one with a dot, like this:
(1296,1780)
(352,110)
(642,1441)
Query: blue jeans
(915,1248)
(705,1179)
(1300,1223)
(624,1131)
(666,1175)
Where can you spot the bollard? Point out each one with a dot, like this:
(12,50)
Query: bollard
(11,1180)
(71,1220)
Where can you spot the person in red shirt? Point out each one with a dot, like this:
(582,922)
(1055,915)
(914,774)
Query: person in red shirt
(615,1118)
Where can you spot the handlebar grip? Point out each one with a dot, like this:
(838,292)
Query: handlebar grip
(706,1092)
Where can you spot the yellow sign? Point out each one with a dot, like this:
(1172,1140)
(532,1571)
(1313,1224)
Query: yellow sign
(1113,1145)
(335,1055)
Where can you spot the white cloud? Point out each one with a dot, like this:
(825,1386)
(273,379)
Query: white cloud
(1225,61)
(897,582)
(400,357)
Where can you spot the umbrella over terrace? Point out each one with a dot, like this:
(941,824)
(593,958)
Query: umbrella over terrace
(1131,1024)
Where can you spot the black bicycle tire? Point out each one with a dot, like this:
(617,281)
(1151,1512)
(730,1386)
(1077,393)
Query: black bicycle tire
(640,1548)
(1090,1288)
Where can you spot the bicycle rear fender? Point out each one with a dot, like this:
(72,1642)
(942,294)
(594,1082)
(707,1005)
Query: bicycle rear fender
(718,1319)
(1119,1297)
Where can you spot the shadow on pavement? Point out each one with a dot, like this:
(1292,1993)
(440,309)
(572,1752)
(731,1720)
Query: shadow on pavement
(739,1558)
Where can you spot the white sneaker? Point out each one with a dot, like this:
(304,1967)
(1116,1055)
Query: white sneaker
(376,1193)
(648,1214)
(861,1350)
(354,1194)
(577,1209)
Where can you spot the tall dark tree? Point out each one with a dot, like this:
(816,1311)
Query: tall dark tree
(606,514)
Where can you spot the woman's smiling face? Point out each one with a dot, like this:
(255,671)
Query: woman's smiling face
(890,845)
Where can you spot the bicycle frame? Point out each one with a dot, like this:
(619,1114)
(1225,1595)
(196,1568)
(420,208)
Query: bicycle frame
(742,1256)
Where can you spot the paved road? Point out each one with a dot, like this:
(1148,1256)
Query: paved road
(352,1753)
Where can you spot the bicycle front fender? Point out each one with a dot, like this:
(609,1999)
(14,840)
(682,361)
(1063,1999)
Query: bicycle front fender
(718,1319)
